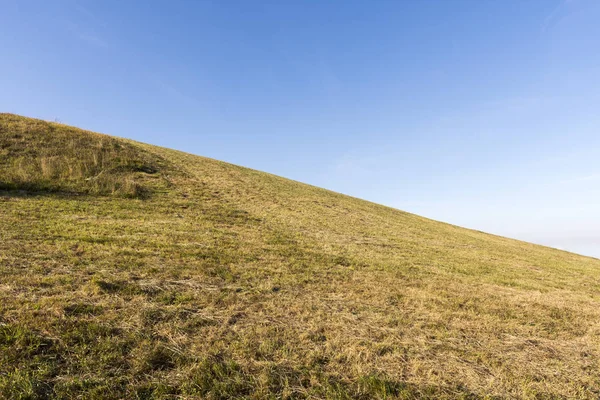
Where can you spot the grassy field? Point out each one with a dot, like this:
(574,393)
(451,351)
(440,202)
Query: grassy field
(137,272)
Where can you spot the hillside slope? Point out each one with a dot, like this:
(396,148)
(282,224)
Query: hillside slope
(133,271)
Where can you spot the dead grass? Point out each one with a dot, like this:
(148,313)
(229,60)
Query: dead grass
(232,283)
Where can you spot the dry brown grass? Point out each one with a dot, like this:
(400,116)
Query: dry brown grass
(232,283)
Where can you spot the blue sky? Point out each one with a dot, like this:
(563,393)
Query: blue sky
(479,113)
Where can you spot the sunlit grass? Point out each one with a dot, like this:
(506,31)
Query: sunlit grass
(223,282)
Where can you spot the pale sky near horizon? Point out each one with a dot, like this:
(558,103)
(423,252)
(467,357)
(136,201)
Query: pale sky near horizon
(484,114)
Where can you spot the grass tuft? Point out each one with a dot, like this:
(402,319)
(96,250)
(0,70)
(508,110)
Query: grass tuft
(39,156)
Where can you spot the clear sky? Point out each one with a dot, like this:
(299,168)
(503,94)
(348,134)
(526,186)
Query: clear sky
(485,114)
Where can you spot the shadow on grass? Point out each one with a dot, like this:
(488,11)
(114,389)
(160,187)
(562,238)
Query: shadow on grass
(30,363)
(14,191)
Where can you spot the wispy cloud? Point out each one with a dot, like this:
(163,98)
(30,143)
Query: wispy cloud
(86,36)
(556,15)
(173,92)
(582,178)
(563,10)
(93,40)
(594,177)
(85,29)
(84,10)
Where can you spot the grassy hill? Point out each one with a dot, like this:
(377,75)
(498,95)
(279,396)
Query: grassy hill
(133,271)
